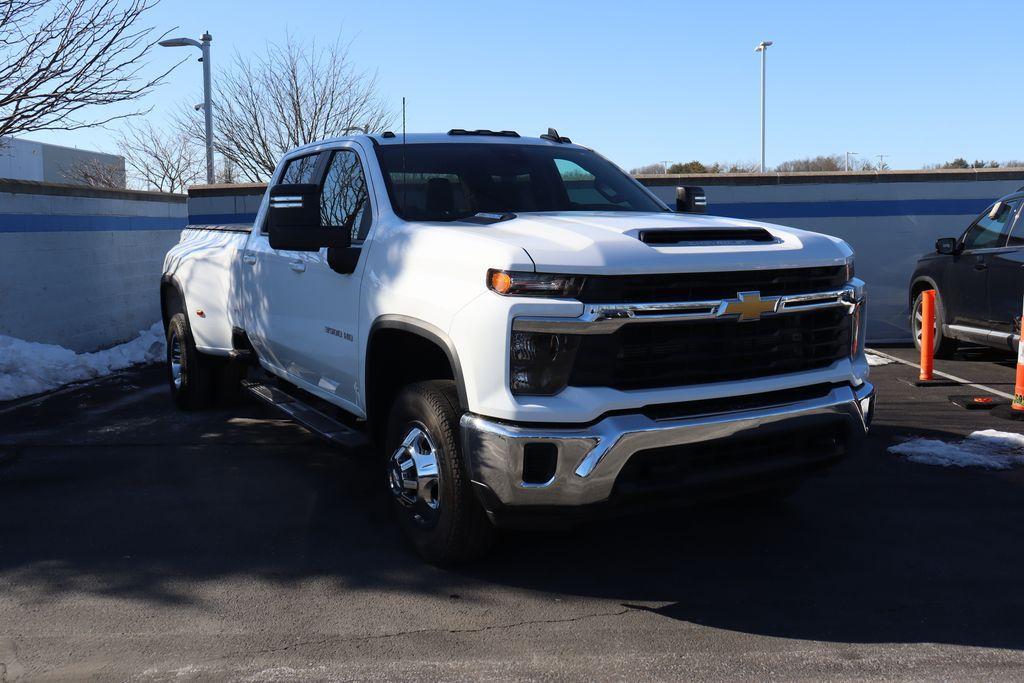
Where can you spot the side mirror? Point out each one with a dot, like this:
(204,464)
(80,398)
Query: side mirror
(293,220)
(691,200)
(946,245)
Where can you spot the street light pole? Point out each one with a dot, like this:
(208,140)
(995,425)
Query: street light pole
(848,155)
(207,105)
(762,47)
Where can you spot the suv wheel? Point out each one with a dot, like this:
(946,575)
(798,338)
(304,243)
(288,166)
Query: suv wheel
(429,486)
(944,347)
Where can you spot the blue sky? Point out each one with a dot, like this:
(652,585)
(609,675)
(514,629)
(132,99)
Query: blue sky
(650,81)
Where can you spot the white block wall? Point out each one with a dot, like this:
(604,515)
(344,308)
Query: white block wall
(81,267)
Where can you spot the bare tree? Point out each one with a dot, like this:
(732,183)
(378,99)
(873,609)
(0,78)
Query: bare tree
(649,169)
(166,162)
(94,173)
(59,58)
(290,95)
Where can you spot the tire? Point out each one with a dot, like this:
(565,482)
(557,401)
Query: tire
(190,374)
(439,514)
(944,347)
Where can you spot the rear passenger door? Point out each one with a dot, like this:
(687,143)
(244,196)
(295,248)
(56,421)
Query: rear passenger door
(1006,278)
(966,283)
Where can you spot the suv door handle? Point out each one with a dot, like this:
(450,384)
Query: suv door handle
(297,266)
(980,264)
(249,258)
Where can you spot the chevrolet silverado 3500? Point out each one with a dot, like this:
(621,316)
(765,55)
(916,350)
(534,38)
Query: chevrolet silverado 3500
(523,331)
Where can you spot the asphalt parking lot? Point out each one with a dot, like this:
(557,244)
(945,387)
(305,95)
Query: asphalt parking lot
(140,543)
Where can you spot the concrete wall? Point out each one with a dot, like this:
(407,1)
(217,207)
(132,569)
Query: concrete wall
(80,267)
(224,204)
(42,162)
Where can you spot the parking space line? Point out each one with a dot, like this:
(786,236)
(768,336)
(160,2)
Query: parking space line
(980,387)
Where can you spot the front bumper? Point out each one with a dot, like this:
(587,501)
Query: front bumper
(590,459)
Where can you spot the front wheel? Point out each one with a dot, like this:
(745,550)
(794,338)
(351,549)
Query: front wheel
(943,347)
(429,486)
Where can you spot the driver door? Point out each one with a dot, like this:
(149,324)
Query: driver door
(967,277)
(303,306)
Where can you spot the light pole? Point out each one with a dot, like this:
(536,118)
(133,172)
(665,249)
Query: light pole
(203,44)
(848,155)
(762,47)
(881,160)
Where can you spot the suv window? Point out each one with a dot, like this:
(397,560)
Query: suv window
(300,170)
(1016,238)
(988,232)
(344,202)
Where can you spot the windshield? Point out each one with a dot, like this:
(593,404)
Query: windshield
(444,182)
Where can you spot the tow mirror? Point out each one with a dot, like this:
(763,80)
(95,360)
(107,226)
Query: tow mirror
(691,200)
(293,220)
(945,245)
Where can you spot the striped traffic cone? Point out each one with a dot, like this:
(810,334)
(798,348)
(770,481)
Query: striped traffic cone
(1018,387)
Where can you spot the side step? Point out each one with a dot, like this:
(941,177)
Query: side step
(309,417)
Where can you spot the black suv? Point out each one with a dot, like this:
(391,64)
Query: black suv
(979,278)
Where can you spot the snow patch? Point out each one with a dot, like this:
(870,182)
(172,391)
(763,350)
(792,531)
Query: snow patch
(989,449)
(28,368)
(874,359)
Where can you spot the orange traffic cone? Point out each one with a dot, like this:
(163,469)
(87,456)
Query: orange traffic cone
(927,334)
(1018,387)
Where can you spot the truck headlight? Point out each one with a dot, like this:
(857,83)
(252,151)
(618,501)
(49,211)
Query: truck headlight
(519,283)
(540,363)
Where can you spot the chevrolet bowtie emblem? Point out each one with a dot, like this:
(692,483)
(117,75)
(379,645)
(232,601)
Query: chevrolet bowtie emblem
(749,305)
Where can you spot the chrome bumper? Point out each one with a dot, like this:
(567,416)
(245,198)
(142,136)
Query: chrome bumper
(590,458)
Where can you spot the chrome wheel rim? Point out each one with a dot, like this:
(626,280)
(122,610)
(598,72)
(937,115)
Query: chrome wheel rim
(176,364)
(413,475)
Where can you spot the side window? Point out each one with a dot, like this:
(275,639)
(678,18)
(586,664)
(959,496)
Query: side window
(300,170)
(345,203)
(988,232)
(1016,238)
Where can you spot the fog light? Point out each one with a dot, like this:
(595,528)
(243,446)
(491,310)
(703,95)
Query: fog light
(540,363)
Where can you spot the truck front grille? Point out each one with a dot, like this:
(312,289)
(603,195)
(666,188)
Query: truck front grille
(654,355)
(630,289)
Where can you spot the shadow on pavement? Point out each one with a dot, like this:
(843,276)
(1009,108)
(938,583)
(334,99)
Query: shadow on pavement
(878,550)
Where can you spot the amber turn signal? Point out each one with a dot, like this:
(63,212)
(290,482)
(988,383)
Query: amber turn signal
(501,282)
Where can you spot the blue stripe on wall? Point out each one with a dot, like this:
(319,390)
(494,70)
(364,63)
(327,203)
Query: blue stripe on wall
(34,222)
(222,218)
(851,209)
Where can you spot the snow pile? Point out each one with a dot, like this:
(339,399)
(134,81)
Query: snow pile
(874,359)
(990,449)
(30,367)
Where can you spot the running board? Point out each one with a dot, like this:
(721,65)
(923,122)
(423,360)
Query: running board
(306,415)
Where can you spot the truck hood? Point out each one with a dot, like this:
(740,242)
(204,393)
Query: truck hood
(610,243)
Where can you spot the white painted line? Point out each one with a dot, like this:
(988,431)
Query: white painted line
(980,387)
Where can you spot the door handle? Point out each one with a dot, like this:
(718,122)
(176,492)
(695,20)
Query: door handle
(297,266)
(980,265)
(249,258)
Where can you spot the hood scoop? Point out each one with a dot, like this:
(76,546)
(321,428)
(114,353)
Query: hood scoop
(704,237)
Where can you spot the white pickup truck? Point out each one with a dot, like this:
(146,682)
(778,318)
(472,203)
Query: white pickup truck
(522,331)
